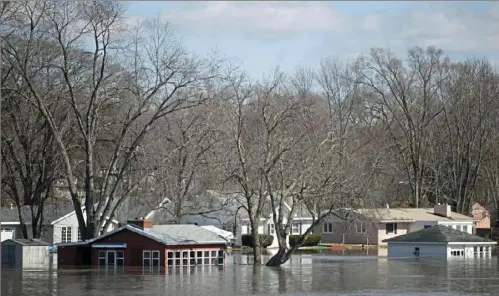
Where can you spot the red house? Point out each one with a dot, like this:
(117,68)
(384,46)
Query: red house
(142,244)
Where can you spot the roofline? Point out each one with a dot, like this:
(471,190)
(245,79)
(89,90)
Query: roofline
(152,212)
(411,242)
(45,244)
(73,212)
(473,243)
(399,221)
(10,223)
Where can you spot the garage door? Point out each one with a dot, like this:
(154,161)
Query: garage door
(7,233)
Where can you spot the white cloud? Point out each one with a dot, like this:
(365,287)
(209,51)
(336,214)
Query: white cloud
(271,16)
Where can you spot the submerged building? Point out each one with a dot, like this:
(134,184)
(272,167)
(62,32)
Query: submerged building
(140,243)
(439,240)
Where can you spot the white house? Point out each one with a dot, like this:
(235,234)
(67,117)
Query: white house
(439,241)
(302,220)
(59,224)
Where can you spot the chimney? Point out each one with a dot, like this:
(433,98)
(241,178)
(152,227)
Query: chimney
(442,210)
(141,223)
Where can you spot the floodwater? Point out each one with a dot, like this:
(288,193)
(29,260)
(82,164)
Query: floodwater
(319,273)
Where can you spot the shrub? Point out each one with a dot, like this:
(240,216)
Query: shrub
(312,240)
(265,240)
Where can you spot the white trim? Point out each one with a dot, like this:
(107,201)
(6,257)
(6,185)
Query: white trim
(10,223)
(415,243)
(399,221)
(324,223)
(472,243)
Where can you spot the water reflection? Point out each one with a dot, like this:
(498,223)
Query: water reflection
(320,273)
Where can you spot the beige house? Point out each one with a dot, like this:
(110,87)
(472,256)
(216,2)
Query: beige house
(372,226)
(481,216)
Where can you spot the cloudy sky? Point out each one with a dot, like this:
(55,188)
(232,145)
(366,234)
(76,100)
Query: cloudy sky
(263,35)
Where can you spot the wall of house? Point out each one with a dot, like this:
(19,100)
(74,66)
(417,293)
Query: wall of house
(483,223)
(68,256)
(35,257)
(402,228)
(135,245)
(71,221)
(418,225)
(303,225)
(407,249)
(346,233)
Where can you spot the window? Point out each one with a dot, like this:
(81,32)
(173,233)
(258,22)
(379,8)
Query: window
(427,226)
(177,258)
(296,228)
(206,258)
(155,258)
(199,258)
(79,234)
(170,257)
(7,230)
(102,257)
(458,227)
(66,234)
(391,228)
(192,258)
(327,227)
(185,258)
(221,257)
(120,258)
(271,228)
(146,258)
(465,228)
(360,227)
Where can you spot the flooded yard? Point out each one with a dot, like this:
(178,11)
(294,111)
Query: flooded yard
(317,273)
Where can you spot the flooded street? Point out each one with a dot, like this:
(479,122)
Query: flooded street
(321,273)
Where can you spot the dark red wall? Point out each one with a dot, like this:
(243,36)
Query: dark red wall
(73,255)
(135,245)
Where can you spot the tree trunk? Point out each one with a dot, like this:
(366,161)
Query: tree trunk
(257,252)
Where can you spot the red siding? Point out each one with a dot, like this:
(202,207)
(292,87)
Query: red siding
(73,255)
(135,245)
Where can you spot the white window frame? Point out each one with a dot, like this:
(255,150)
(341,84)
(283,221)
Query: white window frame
(170,261)
(271,228)
(66,234)
(394,228)
(79,234)
(297,228)
(148,258)
(327,227)
(120,255)
(362,228)
(102,256)
(465,228)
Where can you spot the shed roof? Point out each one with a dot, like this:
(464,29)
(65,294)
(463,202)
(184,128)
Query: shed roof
(29,242)
(439,234)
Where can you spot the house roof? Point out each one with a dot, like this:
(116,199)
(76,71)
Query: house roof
(28,242)
(227,235)
(50,213)
(439,234)
(411,214)
(174,234)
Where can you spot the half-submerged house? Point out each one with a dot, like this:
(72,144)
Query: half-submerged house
(140,243)
(439,240)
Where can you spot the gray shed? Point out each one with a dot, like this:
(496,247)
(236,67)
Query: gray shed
(26,253)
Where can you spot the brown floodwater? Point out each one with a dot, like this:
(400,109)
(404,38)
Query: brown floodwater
(317,273)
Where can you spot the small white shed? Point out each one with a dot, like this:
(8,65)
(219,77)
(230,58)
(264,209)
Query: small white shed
(439,241)
(26,253)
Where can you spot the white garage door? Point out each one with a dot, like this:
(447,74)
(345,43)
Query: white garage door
(7,233)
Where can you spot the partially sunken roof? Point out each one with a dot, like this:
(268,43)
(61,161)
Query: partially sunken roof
(174,234)
(439,234)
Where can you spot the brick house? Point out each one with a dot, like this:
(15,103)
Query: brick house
(140,243)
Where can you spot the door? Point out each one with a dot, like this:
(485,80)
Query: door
(111,258)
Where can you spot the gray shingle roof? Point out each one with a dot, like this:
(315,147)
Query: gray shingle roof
(438,234)
(184,233)
(50,213)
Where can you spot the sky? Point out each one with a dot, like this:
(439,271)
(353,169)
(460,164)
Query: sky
(263,35)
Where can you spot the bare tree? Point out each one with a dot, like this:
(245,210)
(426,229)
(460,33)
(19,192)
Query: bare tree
(146,72)
(407,96)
